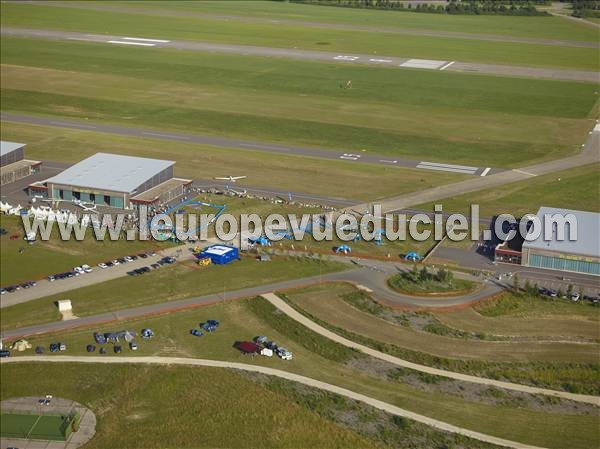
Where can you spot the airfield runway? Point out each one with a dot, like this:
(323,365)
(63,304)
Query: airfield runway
(355,157)
(309,55)
(310,24)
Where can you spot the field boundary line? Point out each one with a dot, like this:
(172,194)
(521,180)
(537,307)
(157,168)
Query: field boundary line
(297,316)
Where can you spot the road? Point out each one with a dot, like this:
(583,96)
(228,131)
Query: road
(247,145)
(330,26)
(178,361)
(148,42)
(589,154)
(295,315)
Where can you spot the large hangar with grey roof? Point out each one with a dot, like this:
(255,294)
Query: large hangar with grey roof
(116,181)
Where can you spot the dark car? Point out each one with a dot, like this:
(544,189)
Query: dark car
(132,273)
(117,349)
(134,257)
(122,260)
(99,338)
(109,263)
(143,255)
(102,351)
(196,333)
(155,265)
(5,353)
(54,347)
(11,288)
(90,348)
(39,350)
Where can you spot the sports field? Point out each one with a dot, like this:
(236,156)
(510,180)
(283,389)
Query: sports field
(31,426)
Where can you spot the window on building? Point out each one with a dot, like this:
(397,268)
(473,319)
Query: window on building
(106,199)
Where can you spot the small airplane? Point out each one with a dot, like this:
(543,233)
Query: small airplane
(231,178)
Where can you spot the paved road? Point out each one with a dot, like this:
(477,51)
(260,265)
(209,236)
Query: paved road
(292,313)
(170,361)
(589,154)
(311,55)
(324,25)
(350,157)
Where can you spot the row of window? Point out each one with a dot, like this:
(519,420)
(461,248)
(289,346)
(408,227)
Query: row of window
(557,263)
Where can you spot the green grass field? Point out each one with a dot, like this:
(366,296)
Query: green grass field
(55,256)
(169,283)
(466,118)
(31,426)
(290,173)
(314,356)
(539,27)
(577,189)
(326,304)
(274,35)
(198,407)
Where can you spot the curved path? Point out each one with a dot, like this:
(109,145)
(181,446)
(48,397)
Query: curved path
(389,408)
(295,315)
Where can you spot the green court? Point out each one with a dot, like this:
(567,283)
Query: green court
(34,427)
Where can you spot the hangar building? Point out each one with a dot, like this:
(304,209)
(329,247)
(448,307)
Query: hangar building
(116,181)
(13,165)
(579,256)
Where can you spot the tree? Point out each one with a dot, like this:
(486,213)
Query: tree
(569,290)
(516,283)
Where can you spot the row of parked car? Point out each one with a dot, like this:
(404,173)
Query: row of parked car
(573,296)
(209,326)
(126,259)
(14,288)
(281,352)
(164,261)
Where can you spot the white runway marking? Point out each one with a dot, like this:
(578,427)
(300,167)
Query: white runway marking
(83,39)
(170,136)
(597,128)
(380,60)
(448,167)
(447,65)
(350,156)
(423,64)
(388,162)
(524,172)
(131,43)
(486,171)
(263,147)
(141,39)
(345,58)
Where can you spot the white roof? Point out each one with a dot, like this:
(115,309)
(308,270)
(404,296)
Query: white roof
(218,250)
(111,172)
(9,147)
(588,234)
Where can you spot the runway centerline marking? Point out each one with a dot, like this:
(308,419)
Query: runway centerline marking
(486,171)
(379,60)
(169,136)
(142,39)
(142,44)
(345,58)
(524,172)
(75,125)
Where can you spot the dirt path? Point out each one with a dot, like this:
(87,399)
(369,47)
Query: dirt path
(389,408)
(292,313)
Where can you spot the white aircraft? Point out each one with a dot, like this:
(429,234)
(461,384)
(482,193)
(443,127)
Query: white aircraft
(231,178)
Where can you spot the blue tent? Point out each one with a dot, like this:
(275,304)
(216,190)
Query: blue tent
(220,254)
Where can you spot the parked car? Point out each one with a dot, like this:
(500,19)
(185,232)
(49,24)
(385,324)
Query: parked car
(78,271)
(116,262)
(90,348)
(260,340)
(39,349)
(143,255)
(575,296)
(122,260)
(53,347)
(128,258)
(102,265)
(147,333)
(133,346)
(133,257)
(102,351)
(196,333)
(155,265)
(3,291)
(117,349)
(85,267)
(99,338)
(284,354)
(109,264)
(5,353)
(271,345)
(62,346)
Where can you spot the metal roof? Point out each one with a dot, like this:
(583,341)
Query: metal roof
(115,172)
(9,147)
(588,233)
